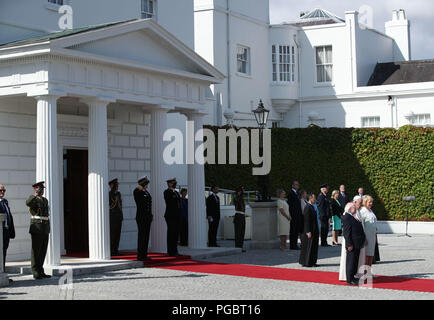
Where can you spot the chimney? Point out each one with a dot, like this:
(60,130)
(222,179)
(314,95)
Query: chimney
(399,29)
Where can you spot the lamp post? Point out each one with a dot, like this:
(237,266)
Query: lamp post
(261,116)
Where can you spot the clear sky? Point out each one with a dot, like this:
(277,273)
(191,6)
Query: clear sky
(419,12)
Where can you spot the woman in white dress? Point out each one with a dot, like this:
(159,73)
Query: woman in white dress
(283,218)
(350,208)
(369,221)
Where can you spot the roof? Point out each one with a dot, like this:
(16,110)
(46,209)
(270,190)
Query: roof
(65,42)
(402,72)
(316,17)
(60,34)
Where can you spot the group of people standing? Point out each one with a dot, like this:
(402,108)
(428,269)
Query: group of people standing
(213,217)
(175,215)
(304,215)
(39,227)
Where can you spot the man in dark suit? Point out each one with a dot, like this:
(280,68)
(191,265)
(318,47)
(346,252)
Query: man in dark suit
(172,216)
(213,216)
(323,205)
(309,239)
(354,241)
(343,198)
(8,225)
(296,226)
(144,217)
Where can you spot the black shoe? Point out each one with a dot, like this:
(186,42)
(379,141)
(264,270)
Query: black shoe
(295,248)
(46,276)
(144,259)
(38,277)
(325,245)
(316,265)
(174,255)
(10,280)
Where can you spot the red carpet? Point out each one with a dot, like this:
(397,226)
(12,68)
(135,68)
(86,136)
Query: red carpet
(301,275)
(156,258)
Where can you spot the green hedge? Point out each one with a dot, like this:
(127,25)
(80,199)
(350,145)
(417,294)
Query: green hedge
(388,163)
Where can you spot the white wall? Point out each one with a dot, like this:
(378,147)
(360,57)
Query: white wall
(337,37)
(372,48)
(38,17)
(17,168)
(349,112)
(211,42)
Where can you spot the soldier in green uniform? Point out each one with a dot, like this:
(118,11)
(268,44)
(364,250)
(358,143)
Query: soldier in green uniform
(39,229)
(116,217)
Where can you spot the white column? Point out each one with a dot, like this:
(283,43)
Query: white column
(158,181)
(197,230)
(99,233)
(46,168)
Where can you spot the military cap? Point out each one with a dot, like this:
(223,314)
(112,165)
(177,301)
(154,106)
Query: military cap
(171,180)
(39,184)
(143,180)
(325,185)
(114,181)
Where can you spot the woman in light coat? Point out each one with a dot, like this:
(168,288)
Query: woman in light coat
(369,221)
(283,218)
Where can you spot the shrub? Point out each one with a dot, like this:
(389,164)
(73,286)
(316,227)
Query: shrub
(387,163)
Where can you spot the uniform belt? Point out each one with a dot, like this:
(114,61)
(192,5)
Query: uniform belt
(240,212)
(40,218)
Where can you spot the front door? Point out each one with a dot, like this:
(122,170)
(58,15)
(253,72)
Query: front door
(75,166)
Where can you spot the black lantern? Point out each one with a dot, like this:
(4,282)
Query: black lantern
(261,115)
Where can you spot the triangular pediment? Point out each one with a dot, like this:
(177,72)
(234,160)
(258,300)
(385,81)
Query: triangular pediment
(143,42)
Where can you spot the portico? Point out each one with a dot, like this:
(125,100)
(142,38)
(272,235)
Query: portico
(112,75)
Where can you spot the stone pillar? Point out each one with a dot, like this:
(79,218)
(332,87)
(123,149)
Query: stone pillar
(99,232)
(47,168)
(4,279)
(158,180)
(264,225)
(197,223)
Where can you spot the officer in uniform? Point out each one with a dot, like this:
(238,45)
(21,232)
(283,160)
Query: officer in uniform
(39,229)
(143,217)
(172,216)
(116,217)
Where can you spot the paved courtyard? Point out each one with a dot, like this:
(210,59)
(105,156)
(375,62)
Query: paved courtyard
(400,256)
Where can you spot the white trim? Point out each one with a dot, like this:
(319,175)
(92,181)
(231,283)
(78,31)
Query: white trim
(219,9)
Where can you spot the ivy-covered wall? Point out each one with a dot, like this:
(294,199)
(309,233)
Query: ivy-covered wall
(387,163)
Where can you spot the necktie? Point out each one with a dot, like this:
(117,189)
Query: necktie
(5,209)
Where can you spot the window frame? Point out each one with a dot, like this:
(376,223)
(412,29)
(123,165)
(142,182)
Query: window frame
(276,63)
(325,64)
(371,118)
(418,116)
(56,2)
(147,14)
(248,60)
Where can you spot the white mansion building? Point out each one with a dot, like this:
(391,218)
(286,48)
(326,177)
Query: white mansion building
(80,107)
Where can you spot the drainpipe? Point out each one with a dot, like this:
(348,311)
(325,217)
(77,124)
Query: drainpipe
(299,79)
(228,53)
